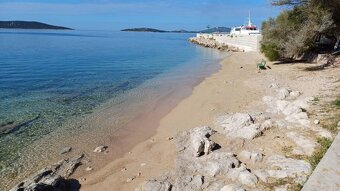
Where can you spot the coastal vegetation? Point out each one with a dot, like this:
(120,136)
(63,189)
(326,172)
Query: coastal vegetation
(318,154)
(305,26)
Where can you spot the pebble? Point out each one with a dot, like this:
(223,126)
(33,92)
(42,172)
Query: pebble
(130,179)
(89,168)
(139,174)
(83,179)
(316,122)
(123,169)
(170,138)
(66,150)
(100,149)
(142,164)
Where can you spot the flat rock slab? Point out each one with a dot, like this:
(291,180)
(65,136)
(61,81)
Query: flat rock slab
(282,167)
(238,125)
(326,175)
(305,145)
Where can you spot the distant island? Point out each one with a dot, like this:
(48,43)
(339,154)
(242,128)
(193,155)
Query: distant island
(210,30)
(29,25)
(142,30)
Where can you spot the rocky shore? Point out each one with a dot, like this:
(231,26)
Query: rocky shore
(53,178)
(239,130)
(203,164)
(211,43)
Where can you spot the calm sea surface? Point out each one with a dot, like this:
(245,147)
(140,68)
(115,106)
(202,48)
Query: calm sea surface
(52,83)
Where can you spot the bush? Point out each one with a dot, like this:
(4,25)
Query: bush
(337,102)
(325,143)
(294,31)
(270,51)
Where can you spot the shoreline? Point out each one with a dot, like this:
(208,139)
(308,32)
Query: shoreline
(236,87)
(107,125)
(280,105)
(166,130)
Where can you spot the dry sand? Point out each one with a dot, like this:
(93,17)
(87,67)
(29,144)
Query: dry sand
(235,87)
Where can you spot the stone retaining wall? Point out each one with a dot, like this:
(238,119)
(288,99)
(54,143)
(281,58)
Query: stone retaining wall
(247,43)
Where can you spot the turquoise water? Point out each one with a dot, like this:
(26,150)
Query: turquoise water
(50,78)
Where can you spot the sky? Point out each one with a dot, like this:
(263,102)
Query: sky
(120,14)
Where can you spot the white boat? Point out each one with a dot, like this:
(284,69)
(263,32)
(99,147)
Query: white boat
(248,29)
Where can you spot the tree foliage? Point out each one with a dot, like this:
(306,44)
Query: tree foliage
(295,30)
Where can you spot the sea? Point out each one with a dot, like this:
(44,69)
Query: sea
(78,88)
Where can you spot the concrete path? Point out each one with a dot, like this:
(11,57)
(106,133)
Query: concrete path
(326,176)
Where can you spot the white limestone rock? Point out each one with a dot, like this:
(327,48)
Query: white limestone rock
(294,94)
(100,149)
(291,109)
(213,185)
(281,104)
(238,125)
(216,163)
(321,132)
(189,183)
(197,141)
(274,85)
(236,120)
(266,125)
(247,178)
(261,174)
(305,145)
(155,185)
(256,157)
(288,168)
(283,93)
(302,103)
(267,99)
(66,150)
(243,176)
(232,187)
(246,156)
(280,124)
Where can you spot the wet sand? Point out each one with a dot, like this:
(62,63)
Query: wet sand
(225,91)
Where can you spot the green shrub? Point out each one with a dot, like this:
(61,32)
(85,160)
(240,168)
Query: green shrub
(337,101)
(325,143)
(270,51)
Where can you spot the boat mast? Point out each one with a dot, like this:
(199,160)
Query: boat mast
(249,21)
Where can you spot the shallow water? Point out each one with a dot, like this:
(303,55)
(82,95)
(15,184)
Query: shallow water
(55,85)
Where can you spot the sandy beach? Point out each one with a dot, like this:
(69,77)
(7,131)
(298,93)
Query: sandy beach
(225,91)
(236,87)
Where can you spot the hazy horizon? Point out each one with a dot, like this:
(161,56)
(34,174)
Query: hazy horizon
(119,14)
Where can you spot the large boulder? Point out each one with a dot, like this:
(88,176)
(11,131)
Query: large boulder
(196,141)
(253,157)
(294,111)
(238,125)
(189,183)
(52,178)
(161,184)
(283,93)
(243,176)
(216,163)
